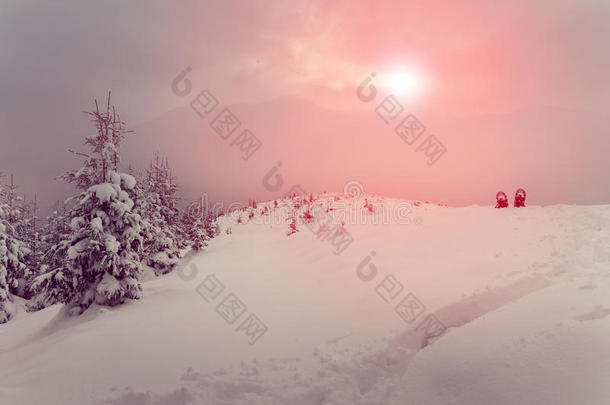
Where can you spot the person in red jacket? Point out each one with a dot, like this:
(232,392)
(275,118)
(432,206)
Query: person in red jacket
(501,200)
(520,198)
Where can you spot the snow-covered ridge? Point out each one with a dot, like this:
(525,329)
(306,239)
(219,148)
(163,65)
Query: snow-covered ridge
(329,207)
(523,293)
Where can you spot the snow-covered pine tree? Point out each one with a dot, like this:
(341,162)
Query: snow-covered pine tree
(31,236)
(17,226)
(194,227)
(167,189)
(199,227)
(164,238)
(104,242)
(13,201)
(142,208)
(56,227)
(5,295)
(7,264)
(51,285)
(21,214)
(12,257)
(158,248)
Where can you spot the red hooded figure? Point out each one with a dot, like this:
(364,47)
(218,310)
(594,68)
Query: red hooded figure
(501,200)
(520,198)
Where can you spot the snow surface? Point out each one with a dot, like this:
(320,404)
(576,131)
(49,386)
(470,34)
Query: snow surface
(104,192)
(128,180)
(525,294)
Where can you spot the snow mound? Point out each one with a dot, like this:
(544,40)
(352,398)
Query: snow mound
(448,305)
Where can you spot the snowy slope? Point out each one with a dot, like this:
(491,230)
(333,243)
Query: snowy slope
(524,294)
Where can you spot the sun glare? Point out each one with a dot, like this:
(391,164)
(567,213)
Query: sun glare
(405,82)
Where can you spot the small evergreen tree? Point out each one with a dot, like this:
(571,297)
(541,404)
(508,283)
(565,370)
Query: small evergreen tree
(104,241)
(56,228)
(51,285)
(199,228)
(31,236)
(13,268)
(292,227)
(9,264)
(164,238)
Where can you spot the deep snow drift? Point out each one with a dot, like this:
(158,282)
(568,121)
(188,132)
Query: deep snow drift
(524,295)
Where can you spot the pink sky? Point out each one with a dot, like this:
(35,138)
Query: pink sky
(516,91)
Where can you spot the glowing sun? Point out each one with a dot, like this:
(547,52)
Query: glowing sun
(404,81)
